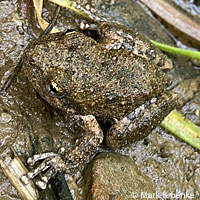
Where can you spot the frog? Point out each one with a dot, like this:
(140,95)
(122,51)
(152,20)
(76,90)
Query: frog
(118,77)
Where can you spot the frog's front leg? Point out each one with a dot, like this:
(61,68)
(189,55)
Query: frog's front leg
(82,151)
(139,123)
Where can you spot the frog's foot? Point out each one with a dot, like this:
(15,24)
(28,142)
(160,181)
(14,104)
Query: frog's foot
(53,163)
(81,152)
(186,90)
(139,123)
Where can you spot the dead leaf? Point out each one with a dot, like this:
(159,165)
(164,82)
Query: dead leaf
(187,30)
(38,5)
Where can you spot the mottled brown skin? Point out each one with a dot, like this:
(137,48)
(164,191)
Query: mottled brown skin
(117,36)
(105,83)
(116,78)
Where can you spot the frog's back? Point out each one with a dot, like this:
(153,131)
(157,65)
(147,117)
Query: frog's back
(94,80)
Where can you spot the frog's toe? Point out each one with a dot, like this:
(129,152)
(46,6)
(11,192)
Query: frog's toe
(42,183)
(30,175)
(53,163)
(32,160)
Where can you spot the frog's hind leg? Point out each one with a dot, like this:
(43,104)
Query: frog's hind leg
(139,123)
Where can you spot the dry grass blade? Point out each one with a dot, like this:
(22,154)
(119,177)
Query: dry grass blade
(14,170)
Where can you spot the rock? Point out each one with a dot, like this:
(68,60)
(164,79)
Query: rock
(114,176)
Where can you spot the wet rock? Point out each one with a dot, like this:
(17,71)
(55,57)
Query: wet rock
(113,176)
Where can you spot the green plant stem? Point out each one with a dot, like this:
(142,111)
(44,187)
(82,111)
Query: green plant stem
(183,52)
(183,128)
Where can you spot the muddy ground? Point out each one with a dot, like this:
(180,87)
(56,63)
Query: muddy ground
(159,163)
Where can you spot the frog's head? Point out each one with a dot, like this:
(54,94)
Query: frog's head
(45,82)
(52,63)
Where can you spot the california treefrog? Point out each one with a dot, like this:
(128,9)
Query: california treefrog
(117,77)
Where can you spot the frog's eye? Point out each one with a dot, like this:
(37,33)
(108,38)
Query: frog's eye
(54,89)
